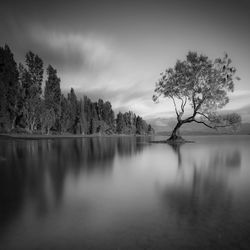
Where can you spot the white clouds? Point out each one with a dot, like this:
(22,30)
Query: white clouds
(94,66)
(98,67)
(116,50)
(238,99)
(87,49)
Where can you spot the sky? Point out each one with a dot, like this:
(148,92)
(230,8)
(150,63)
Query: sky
(116,50)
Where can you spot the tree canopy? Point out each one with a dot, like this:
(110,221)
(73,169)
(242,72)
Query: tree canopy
(9,87)
(26,106)
(204,85)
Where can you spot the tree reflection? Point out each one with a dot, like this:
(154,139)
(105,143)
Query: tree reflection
(36,170)
(176,147)
(199,203)
(202,194)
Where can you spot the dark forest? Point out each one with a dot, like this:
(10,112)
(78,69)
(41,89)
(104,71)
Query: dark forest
(25,107)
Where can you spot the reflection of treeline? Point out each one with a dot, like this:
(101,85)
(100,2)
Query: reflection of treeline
(37,169)
(24,105)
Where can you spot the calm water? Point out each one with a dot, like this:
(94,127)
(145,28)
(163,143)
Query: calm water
(125,193)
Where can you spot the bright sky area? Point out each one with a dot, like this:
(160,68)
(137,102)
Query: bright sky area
(116,50)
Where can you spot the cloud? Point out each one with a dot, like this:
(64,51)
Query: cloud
(72,51)
(94,67)
(238,99)
(123,98)
(115,51)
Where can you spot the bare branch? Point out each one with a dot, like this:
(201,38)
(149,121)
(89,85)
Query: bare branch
(176,111)
(207,117)
(204,124)
(200,103)
(185,102)
(214,126)
(193,100)
(182,104)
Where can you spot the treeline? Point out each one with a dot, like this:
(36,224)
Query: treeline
(24,106)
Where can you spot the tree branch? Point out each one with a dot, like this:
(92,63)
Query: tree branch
(213,127)
(209,119)
(199,105)
(185,102)
(193,100)
(176,111)
(204,124)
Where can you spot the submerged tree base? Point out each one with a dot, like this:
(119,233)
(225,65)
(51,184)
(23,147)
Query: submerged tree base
(178,140)
(174,141)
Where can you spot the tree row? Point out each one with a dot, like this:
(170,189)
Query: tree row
(25,106)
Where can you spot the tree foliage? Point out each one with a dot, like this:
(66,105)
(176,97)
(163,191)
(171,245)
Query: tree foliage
(52,94)
(24,104)
(9,88)
(202,83)
(31,78)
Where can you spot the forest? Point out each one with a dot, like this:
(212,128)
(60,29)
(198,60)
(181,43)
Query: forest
(28,107)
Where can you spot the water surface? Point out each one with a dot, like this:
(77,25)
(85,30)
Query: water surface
(125,193)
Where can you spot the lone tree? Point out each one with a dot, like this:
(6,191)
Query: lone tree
(204,85)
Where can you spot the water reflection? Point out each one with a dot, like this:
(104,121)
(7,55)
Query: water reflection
(201,199)
(206,183)
(36,170)
(124,193)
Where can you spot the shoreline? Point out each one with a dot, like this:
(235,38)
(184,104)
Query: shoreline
(63,136)
(75,136)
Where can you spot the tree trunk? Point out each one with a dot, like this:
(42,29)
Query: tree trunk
(175,136)
(32,126)
(13,124)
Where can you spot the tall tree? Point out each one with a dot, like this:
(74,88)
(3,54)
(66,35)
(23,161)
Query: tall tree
(52,94)
(108,115)
(9,88)
(65,114)
(94,120)
(87,114)
(120,124)
(74,111)
(139,125)
(83,120)
(35,68)
(31,79)
(47,117)
(202,83)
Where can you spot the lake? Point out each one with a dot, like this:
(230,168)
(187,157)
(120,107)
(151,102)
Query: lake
(125,193)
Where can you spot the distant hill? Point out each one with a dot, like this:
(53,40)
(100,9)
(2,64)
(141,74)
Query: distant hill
(164,126)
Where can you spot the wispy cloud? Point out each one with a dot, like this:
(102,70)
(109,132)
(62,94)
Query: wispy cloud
(238,99)
(94,67)
(73,51)
(116,50)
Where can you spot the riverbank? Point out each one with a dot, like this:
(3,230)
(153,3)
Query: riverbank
(63,136)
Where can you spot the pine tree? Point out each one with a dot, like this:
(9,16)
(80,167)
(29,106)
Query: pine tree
(120,123)
(74,111)
(65,114)
(31,81)
(139,125)
(9,88)
(52,94)
(47,117)
(83,119)
(87,113)
(94,121)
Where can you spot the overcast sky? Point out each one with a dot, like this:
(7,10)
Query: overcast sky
(116,50)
